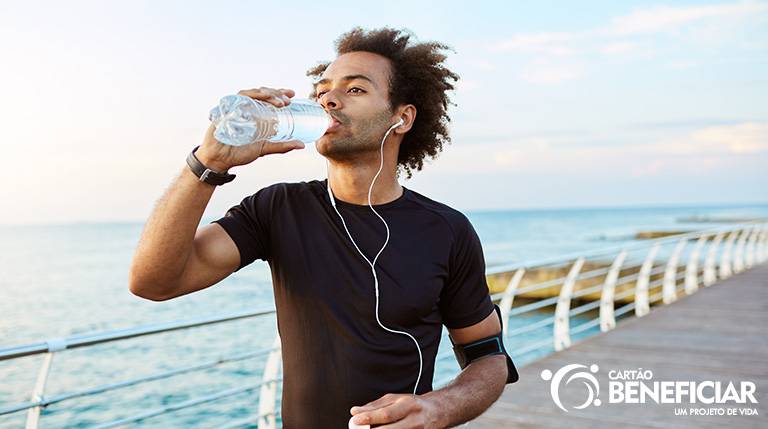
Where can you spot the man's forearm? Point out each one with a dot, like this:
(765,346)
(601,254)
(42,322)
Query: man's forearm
(471,393)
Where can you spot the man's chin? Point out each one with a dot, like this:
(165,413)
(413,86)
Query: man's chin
(333,140)
(336,148)
(327,145)
(323,144)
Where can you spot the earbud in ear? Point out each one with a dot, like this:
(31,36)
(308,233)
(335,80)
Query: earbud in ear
(401,122)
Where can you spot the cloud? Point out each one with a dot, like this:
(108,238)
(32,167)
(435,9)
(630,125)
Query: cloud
(703,165)
(682,64)
(545,43)
(649,169)
(630,37)
(697,152)
(686,139)
(669,18)
(739,139)
(551,72)
(624,48)
(689,123)
(521,156)
(749,137)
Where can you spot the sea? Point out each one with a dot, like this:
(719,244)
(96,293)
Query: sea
(67,279)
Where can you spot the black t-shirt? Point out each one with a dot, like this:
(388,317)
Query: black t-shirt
(335,354)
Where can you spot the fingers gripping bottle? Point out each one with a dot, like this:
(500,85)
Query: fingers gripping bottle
(241,120)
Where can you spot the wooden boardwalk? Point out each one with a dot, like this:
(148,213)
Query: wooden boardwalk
(717,333)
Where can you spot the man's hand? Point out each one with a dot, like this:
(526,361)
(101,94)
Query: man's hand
(398,411)
(221,157)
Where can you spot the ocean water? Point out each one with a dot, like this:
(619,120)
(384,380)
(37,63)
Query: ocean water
(61,280)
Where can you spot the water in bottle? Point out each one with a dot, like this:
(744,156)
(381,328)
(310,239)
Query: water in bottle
(241,120)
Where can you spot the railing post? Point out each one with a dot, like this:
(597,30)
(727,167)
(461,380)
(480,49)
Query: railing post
(765,243)
(692,267)
(738,256)
(642,306)
(509,296)
(725,259)
(33,414)
(669,292)
(607,317)
(562,334)
(710,271)
(762,243)
(749,260)
(268,393)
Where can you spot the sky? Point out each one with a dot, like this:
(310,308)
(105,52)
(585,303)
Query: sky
(560,104)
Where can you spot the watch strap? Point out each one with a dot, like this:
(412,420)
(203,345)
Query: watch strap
(205,174)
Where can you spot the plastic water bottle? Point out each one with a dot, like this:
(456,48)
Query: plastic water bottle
(241,120)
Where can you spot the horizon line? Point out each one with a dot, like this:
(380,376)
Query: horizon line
(474,211)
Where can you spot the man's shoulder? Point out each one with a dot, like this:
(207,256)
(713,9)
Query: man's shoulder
(455,218)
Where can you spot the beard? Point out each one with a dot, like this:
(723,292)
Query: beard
(355,138)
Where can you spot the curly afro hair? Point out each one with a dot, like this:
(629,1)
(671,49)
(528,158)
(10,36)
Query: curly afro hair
(418,77)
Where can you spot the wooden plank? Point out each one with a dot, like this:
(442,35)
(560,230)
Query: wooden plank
(717,334)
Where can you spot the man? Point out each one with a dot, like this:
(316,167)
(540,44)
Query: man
(338,360)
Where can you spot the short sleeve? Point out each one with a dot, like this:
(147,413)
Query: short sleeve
(248,225)
(464,300)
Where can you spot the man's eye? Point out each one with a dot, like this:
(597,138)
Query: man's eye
(320,93)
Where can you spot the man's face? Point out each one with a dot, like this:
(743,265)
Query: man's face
(354,89)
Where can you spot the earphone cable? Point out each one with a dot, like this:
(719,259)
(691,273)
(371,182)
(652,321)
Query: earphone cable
(372,264)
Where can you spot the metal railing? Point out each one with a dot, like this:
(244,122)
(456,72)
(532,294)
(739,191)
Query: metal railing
(50,347)
(637,276)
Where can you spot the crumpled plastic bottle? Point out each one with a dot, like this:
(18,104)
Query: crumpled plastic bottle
(241,120)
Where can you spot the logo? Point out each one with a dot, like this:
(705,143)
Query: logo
(639,386)
(577,372)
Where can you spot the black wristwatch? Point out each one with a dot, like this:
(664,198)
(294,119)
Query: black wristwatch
(204,173)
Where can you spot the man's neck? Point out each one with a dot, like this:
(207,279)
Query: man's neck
(350,183)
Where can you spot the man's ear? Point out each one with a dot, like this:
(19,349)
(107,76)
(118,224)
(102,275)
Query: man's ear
(408,115)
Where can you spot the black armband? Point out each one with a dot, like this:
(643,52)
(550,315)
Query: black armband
(493,345)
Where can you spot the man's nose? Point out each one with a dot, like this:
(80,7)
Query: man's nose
(330,101)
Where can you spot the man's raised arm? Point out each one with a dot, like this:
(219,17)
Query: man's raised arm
(174,257)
